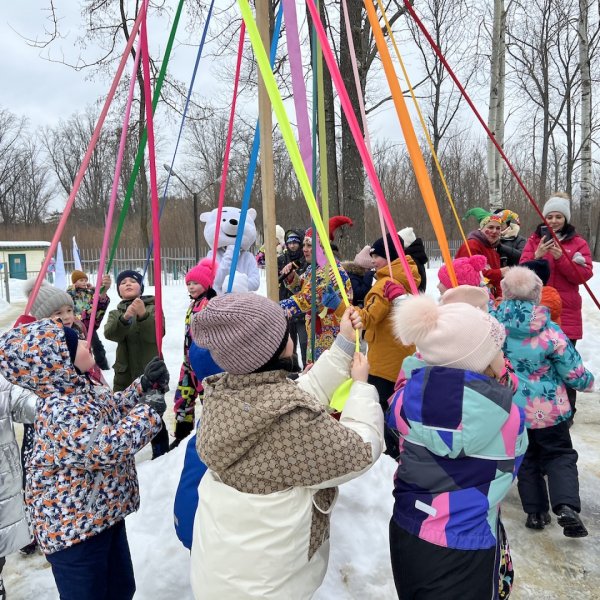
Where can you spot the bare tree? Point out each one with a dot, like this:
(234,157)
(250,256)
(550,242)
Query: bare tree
(542,50)
(588,231)
(495,163)
(65,145)
(12,131)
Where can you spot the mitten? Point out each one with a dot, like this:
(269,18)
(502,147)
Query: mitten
(156,376)
(579,259)
(330,298)
(393,290)
(156,401)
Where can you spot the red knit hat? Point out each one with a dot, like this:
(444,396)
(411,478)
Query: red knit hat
(334,224)
(202,273)
(468,271)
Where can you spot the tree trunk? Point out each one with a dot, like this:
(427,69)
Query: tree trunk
(353,173)
(587,231)
(332,164)
(496,104)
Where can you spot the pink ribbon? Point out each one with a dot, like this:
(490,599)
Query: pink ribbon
(360,142)
(228,147)
(85,162)
(158,315)
(113,193)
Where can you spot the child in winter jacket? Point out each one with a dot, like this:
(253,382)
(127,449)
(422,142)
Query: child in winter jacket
(461,436)
(132,326)
(550,296)
(545,361)
(199,280)
(81,477)
(385,352)
(275,455)
(327,325)
(18,405)
(82,293)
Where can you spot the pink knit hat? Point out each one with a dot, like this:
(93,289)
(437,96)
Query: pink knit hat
(202,273)
(455,335)
(363,258)
(242,332)
(468,271)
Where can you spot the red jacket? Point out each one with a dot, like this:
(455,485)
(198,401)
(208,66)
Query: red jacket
(566,277)
(478,244)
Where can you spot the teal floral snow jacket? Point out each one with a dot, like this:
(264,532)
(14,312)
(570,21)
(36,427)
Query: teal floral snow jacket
(544,360)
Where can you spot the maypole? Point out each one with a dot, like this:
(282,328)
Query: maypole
(266,161)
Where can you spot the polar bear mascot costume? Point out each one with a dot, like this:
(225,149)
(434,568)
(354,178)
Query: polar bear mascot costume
(247,276)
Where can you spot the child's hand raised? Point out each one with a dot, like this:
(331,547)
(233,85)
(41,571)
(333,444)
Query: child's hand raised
(359,369)
(139,307)
(350,321)
(106,282)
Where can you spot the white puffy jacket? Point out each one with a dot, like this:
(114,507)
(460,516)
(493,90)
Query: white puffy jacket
(256,546)
(18,405)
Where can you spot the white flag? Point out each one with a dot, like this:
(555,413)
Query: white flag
(60,277)
(76,257)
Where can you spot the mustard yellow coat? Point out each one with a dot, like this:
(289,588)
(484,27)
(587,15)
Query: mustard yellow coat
(385,353)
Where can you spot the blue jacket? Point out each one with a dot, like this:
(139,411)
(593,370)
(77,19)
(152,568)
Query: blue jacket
(461,443)
(544,360)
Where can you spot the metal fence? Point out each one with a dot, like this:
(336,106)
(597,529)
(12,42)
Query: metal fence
(175,263)
(432,249)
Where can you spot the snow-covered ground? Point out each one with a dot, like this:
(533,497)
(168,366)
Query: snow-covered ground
(548,566)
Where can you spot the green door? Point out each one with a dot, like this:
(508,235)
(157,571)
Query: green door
(17,266)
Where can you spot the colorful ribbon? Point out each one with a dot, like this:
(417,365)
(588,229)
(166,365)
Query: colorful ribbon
(86,159)
(158,315)
(238,68)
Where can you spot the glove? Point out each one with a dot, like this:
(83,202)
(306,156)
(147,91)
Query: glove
(156,401)
(579,259)
(393,290)
(330,298)
(156,376)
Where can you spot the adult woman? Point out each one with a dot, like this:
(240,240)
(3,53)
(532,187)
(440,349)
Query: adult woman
(569,267)
(485,241)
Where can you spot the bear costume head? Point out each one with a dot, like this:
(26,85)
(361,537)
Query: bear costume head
(230,218)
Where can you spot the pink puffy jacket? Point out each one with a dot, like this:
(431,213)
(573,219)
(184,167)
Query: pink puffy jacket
(566,277)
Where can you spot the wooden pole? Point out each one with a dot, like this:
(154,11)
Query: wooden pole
(266,161)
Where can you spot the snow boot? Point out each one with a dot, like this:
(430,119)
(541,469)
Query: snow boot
(546,518)
(534,521)
(29,549)
(570,521)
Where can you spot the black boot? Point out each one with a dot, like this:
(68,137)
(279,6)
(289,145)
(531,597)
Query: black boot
(546,518)
(534,521)
(570,521)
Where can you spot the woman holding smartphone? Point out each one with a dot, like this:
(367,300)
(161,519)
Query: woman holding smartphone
(567,272)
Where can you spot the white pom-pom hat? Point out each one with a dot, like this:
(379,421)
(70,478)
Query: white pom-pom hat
(455,335)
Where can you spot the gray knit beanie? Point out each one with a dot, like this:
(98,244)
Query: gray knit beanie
(48,300)
(242,332)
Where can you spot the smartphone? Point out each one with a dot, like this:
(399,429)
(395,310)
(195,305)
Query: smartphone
(546,237)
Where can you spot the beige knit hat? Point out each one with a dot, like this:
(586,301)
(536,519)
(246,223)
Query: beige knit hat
(363,258)
(242,332)
(521,283)
(49,299)
(468,294)
(455,335)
